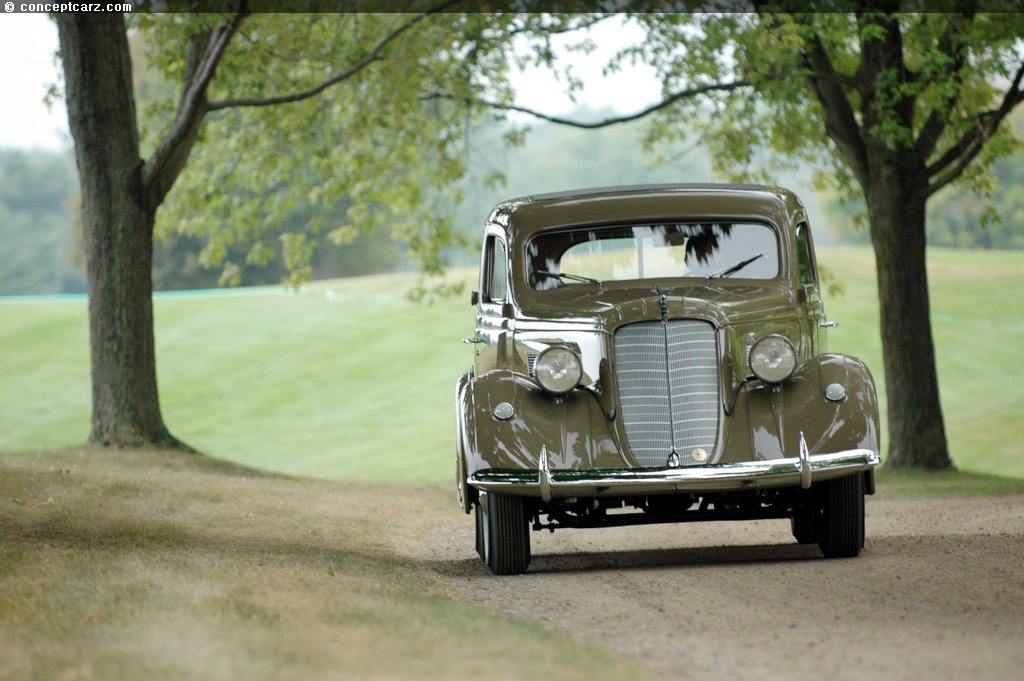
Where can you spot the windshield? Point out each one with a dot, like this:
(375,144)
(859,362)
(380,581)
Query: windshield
(600,254)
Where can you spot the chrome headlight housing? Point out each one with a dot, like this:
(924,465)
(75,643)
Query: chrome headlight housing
(558,369)
(773,359)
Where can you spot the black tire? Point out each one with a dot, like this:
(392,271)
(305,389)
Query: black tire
(839,520)
(503,533)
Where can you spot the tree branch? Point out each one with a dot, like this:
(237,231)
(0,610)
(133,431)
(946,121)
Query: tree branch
(589,22)
(967,148)
(372,56)
(936,122)
(667,102)
(206,51)
(840,123)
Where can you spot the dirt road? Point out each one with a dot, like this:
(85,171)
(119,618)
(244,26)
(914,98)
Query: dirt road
(938,593)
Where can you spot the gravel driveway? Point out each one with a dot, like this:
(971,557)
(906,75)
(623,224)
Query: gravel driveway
(938,593)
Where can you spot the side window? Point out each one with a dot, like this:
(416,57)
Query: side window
(496,276)
(805,258)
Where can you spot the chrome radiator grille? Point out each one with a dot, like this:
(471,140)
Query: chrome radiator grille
(655,406)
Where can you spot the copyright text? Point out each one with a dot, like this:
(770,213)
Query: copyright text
(67,7)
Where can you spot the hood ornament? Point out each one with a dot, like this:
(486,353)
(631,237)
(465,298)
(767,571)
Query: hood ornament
(662,301)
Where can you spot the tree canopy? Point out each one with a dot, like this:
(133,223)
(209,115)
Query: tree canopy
(372,108)
(321,110)
(367,140)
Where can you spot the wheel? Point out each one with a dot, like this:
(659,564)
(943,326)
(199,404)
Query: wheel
(839,517)
(503,533)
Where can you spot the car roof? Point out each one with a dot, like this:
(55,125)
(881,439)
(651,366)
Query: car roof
(652,189)
(527,215)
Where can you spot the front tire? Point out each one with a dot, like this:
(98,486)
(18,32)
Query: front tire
(839,518)
(503,533)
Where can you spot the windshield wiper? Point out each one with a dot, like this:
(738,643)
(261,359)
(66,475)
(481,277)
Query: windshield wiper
(571,277)
(735,268)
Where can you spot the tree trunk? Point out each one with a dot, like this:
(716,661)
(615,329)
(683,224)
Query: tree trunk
(896,207)
(117,228)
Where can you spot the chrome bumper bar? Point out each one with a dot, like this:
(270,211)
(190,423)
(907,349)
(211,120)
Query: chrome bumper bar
(800,470)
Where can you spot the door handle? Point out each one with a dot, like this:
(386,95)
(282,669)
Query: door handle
(474,339)
(827,325)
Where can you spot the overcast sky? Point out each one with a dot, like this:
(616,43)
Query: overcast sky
(28,43)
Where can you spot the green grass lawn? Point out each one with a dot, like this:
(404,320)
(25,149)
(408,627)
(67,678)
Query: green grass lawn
(349,379)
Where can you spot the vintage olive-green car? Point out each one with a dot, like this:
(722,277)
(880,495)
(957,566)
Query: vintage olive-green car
(655,354)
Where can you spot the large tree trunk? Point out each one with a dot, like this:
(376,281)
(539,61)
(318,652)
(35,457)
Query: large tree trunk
(896,198)
(118,231)
(894,178)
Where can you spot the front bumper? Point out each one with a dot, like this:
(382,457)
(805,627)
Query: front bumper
(801,470)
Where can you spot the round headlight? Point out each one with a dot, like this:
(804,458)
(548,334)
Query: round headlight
(558,370)
(773,359)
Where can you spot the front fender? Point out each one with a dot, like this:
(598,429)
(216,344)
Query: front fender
(463,411)
(573,428)
(768,419)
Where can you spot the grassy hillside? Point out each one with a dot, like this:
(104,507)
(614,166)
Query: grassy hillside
(168,566)
(349,379)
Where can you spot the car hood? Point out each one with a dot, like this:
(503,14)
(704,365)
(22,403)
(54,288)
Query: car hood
(611,307)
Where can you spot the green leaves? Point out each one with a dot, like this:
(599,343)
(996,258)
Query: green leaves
(297,253)
(373,139)
(827,86)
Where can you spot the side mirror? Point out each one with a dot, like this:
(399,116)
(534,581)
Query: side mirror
(474,297)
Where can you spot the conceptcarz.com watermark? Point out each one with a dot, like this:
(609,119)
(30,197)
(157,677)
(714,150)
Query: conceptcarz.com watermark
(31,7)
